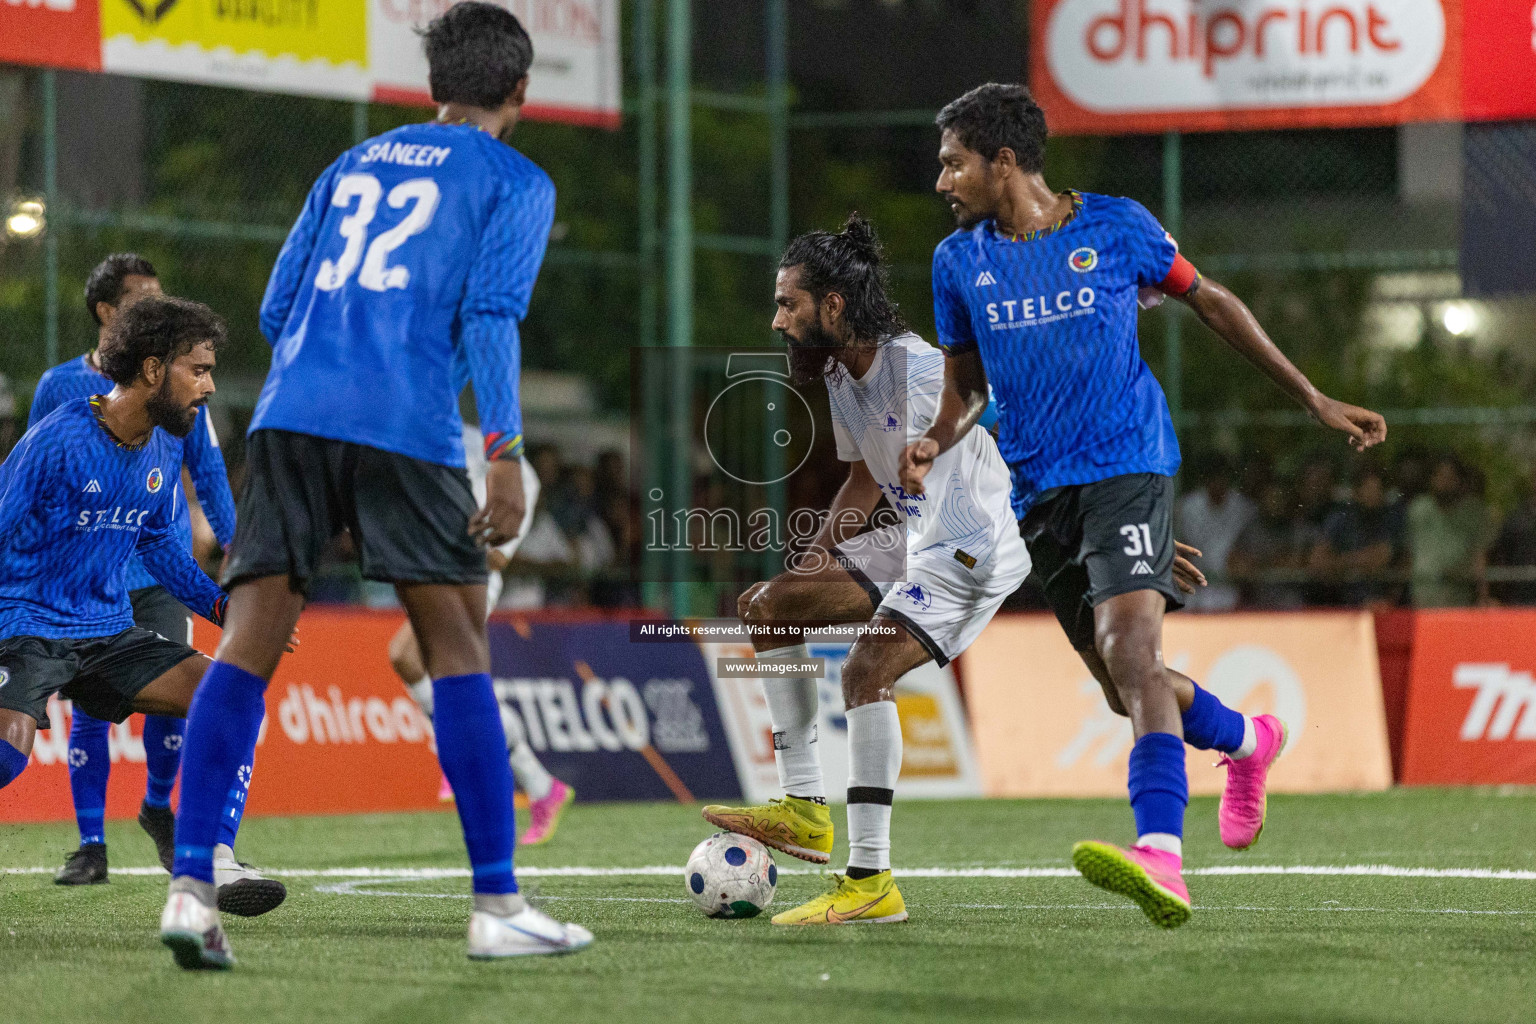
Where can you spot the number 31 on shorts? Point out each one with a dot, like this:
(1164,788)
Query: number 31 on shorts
(1139,540)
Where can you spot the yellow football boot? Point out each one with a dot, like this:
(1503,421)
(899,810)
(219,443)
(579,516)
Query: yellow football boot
(872,900)
(800,828)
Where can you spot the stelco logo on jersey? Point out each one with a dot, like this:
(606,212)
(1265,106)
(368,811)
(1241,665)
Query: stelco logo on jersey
(118,518)
(1011,314)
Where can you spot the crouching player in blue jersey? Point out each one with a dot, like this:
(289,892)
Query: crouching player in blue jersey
(88,488)
(115,284)
(415,255)
(1038,294)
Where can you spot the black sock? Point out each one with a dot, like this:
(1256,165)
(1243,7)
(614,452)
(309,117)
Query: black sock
(857,873)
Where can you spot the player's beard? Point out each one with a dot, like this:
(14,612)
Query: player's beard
(811,356)
(164,412)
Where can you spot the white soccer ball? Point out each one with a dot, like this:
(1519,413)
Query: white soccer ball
(731,876)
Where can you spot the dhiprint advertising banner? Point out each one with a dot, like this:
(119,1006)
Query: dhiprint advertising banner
(341,49)
(1118,66)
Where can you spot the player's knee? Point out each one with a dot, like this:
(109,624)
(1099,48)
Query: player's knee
(746,604)
(862,684)
(1128,655)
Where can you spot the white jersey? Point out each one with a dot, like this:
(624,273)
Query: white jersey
(967,502)
(474,462)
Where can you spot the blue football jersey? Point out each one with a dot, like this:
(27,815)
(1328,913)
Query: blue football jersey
(1054,318)
(78,379)
(408,270)
(75,506)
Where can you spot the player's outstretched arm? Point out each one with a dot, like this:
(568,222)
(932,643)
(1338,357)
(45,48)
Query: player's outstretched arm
(177,571)
(1232,320)
(964,400)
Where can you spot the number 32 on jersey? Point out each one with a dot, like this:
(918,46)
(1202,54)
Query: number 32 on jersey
(376,274)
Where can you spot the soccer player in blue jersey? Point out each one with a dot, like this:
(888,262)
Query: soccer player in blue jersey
(86,489)
(1037,292)
(114,285)
(408,269)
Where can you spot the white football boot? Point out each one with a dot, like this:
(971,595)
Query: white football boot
(190,927)
(529,932)
(242,889)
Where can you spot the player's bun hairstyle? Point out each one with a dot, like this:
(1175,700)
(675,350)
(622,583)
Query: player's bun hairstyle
(106,282)
(160,326)
(476,54)
(993,116)
(851,263)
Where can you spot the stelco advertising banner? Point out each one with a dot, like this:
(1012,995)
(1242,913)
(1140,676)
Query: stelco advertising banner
(937,757)
(617,720)
(343,49)
(1043,728)
(1471,715)
(1117,66)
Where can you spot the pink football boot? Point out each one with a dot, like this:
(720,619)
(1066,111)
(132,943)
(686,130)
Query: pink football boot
(545,814)
(1243,802)
(445,792)
(1149,878)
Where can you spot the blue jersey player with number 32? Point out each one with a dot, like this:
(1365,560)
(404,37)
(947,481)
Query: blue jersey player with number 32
(407,273)
(1038,293)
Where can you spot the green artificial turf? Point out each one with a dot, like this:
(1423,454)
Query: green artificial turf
(1259,947)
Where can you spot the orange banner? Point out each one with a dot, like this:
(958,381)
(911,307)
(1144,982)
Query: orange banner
(340,736)
(1471,715)
(1042,727)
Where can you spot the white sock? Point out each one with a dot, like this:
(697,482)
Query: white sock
(527,769)
(421,693)
(793,706)
(1250,740)
(1165,841)
(874,762)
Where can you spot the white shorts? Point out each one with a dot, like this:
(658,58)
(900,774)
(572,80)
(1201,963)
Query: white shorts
(942,594)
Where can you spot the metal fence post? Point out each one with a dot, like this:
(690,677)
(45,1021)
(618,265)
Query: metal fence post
(54,214)
(777,33)
(1173,215)
(680,273)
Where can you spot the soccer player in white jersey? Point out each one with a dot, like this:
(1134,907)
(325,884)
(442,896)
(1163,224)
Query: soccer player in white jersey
(548,797)
(932,580)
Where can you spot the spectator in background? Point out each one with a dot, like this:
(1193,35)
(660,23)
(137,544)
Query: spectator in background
(1277,540)
(1314,492)
(1211,519)
(1515,547)
(1362,541)
(1448,537)
(1411,477)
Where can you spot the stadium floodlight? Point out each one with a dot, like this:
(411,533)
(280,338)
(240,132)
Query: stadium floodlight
(1460,318)
(27,219)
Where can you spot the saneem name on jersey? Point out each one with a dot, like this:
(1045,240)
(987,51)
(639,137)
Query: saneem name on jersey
(405,154)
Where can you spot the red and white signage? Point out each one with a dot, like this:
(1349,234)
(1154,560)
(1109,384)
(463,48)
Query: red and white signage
(1115,66)
(1471,714)
(55,33)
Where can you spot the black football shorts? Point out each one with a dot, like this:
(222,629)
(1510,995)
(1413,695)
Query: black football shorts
(102,675)
(1091,542)
(409,519)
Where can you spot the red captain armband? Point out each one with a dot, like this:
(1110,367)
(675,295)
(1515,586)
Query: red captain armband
(220,605)
(1182,277)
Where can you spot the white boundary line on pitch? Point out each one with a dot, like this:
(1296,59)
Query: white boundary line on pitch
(355,888)
(1365,870)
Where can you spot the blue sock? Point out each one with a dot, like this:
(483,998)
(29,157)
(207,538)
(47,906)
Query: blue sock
(472,748)
(12,763)
(1159,786)
(1211,725)
(162,756)
(234,803)
(89,765)
(221,732)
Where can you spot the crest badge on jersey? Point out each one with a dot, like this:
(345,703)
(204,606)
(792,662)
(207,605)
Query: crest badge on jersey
(891,423)
(1083,260)
(917,594)
(156,478)
(5,677)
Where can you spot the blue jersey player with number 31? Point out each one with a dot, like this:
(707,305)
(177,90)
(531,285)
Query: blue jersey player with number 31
(1038,293)
(407,272)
